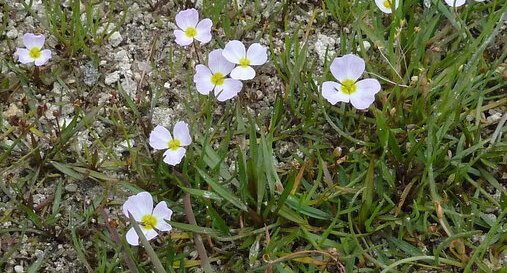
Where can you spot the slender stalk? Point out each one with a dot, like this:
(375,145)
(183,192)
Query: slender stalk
(419,258)
(153,256)
(116,238)
(199,245)
(196,52)
(36,75)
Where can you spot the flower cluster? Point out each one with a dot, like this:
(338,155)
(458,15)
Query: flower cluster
(225,70)
(227,67)
(233,61)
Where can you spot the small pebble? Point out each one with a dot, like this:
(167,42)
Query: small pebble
(112,77)
(12,34)
(90,74)
(115,39)
(71,187)
(19,269)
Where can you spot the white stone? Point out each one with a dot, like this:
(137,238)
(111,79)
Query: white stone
(122,56)
(366,46)
(29,21)
(12,111)
(19,269)
(123,146)
(324,43)
(71,187)
(110,27)
(123,62)
(81,141)
(38,198)
(64,122)
(112,77)
(129,85)
(115,39)
(144,66)
(167,85)
(494,118)
(104,98)
(12,34)
(163,116)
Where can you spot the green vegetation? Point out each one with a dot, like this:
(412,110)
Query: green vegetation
(414,184)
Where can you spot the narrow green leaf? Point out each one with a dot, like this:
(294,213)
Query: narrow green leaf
(306,210)
(65,169)
(194,228)
(202,193)
(58,198)
(222,191)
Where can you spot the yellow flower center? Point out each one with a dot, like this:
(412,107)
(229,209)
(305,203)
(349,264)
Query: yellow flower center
(348,87)
(191,32)
(244,62)
(149,221)
(34,53)
(217,78)
(387,4)
(174,144)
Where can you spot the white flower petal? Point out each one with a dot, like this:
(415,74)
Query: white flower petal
(202,79)
(31,40)
(243,73)
(348,67)
(149,233)
(162,225)
(159,138)
(44,57)
(361,101)
(370,86)
(23,56)
(187,18)
(383,8)
(181,133)
(181,38)
(174,157)
(231,89)
(455,3)
(331,92)
(138,205)
(365,93)
(217,62)
(162,213)
(204,31)
(257,54)
(234,50)
(132,237)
